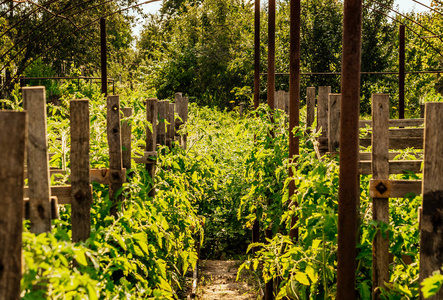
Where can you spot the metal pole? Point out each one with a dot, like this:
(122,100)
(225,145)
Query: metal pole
(294,98)
(348,195)
(401,74)
(103,56)
(271,55)
(269,291)
(256,225)
(257,55)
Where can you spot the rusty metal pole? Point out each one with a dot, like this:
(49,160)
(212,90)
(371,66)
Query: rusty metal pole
(257,55)
(348,195)
(294,98)
(256,225)
(103,49)
(269,291)
(271,55)
(401,74)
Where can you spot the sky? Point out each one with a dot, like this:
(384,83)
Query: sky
(401,5)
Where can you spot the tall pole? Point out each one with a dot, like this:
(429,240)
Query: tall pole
(401,75)
(103,49)
(256,225)
(269,290)
(271,55)
(294,98)
(348,194)
(257,55)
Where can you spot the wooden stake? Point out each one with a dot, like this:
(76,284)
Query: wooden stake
(34,99)
(115,151)
(151,136)
(12,160)
(431,231)
(126,139)
(171,125)
(322,116)
(334,122)
(181,107)
(81,195)
(163,109)
(380,170)
(310,106)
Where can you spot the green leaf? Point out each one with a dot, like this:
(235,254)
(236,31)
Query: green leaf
(302,278)
(80,256)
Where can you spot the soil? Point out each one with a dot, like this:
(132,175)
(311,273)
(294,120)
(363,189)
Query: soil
(217,282)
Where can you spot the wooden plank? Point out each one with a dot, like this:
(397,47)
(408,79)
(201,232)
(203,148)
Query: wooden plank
(181,107)
(126,138)
(394,188)
(431,231)
(310,106)
(151,138)
(398,143)
(395,167)
(280,100)
(149,157)
(334,122)
(151,130)
(392,155)
(404,132)
(322,109)
(163,108)
(34,99)
(62,192)
(115,151)
(81,196)
(12,160)
(171,124)
(396,123)
(380,206)
(54,208)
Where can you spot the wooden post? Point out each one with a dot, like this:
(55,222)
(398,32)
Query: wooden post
(431,230)
(181,106)
(115,151)
(310,106)
(241,108)
(81,196)
(380,206)
(322,117)
(334,122)
(126,138)
(171,126)
(286,102)
(12,160)
(163,109)
(151,136)
(34,99)
(280,100)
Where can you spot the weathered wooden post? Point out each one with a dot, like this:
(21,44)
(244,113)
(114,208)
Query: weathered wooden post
(322,117)
(12,160)
(81,195)
(181,107)
(240,109)
(115,152)
(126,138)
(380,206)
(34,99)
(431,229)
(280,100)
(163,109)
(171,125)
(310,106)
(151,137)
(334,122)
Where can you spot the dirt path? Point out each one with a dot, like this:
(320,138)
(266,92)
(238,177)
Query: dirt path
(217,281)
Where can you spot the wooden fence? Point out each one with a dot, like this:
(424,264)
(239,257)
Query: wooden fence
(397,135)
(25,132)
